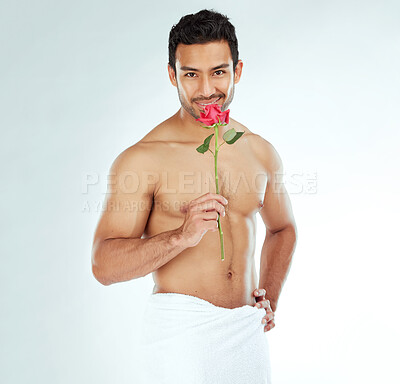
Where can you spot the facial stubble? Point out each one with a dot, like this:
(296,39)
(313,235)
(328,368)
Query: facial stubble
(189,109)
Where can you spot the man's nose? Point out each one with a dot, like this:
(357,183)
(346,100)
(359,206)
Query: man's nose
(206,87)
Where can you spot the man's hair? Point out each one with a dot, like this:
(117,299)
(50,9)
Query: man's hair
(202,27)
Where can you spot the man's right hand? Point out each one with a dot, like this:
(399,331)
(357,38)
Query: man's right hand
(201,216)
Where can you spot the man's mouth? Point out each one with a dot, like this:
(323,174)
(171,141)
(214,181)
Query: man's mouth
(213,101)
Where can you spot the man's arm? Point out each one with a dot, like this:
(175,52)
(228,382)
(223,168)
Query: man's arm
(119,253)
(281,231)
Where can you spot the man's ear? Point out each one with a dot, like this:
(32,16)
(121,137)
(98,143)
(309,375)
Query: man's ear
(171,74)
(238,71)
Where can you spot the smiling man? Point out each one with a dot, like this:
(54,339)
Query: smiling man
(206,319)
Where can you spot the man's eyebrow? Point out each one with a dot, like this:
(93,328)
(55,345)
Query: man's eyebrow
(186,68)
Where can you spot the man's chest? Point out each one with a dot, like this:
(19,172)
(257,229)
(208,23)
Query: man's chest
(185,175)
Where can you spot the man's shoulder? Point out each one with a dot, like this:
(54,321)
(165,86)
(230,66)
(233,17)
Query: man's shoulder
(261,147)
(137,156)
(265,151)
(260,144)
(256,141)
(143,153)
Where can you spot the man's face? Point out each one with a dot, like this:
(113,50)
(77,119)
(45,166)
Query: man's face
(204,74)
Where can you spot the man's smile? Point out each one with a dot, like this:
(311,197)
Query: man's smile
(213,101)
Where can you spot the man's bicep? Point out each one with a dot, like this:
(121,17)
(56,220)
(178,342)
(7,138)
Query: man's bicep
(129,199)
(124,216)
(276,212)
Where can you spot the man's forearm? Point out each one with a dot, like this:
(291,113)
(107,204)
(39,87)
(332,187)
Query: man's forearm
(123,259)
(276,258)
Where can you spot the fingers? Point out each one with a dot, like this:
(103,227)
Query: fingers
(209,205)
(211,225)
(269,326)
(264,304)
(268,317)
(209,196)
(260,292)
(269,320)
(210,216)
(206,202)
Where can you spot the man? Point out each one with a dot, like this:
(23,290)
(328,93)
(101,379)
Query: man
(161,215)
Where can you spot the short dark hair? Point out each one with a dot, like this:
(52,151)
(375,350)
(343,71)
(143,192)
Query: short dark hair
(202,27)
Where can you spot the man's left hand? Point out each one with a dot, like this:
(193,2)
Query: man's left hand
(262,302)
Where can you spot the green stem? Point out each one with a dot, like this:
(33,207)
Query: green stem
(221,234)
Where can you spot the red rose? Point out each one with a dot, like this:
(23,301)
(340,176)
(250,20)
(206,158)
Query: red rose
(212,113)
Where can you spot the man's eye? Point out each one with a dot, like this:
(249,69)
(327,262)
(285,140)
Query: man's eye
(219,73)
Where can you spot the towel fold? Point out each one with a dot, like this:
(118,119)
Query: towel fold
(188,340)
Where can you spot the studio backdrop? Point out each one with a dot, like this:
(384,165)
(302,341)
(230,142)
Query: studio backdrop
(82,80)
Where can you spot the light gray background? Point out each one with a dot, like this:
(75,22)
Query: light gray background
(83,80)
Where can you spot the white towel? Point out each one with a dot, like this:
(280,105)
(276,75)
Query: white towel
(188,340)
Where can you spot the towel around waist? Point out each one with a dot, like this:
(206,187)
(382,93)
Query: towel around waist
(188,340)
(170,314)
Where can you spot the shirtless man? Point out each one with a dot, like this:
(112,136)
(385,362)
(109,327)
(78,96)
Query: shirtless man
(161,213)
